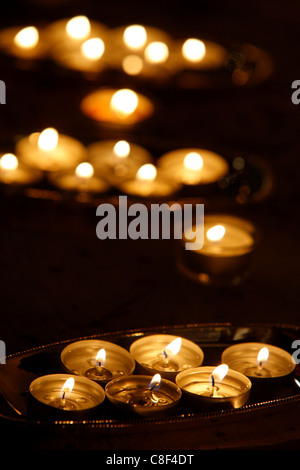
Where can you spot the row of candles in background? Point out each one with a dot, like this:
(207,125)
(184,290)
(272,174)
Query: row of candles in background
(89,46)
(99,369)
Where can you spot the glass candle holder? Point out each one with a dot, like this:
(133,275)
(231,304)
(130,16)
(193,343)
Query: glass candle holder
(233,391)
(65,393)
(166,355)
(227,254)
(260,362)
(134,394)
(80,358)
(201,55)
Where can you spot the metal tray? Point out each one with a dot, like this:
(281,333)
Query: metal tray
(266,420)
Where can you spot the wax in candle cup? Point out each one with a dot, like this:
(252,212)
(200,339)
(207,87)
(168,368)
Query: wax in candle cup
(117,159)
(27,42)
(260,362)
(50,151)
(117,107)
(65,393)
(232,391)
(139,394)
(80,358)
(12,172)
(227,255)
(197,54)
(165,354)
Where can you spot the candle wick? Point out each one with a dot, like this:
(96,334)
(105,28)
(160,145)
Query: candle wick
(212,385)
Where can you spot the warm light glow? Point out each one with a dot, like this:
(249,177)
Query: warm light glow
(193,50)
(193,161)
(262,357)
(155,382)
(124,102)
(122,149)
(216,233)
(67,387)
(27,38)
(9,162)
(147,172)
(78,27)
(157,52)
(93,49)
(135,36)
(100,358)
(219,373)
(173,348)
(48,139)
(132,64)
(84,170)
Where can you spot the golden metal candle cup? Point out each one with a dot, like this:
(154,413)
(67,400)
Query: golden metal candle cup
(49,396)
(125,110)
(24,42)
(117,160)
(133,395)
(232,392)
(152,355)
(80,359)
(65,155)
(16,172)
(196,54)
(276,367)
(228,260)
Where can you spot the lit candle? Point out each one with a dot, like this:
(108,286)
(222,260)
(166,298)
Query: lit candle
(139,395)
(166,354)
(50,151)
(259,361)
(117,107)
(192,166)
(23,43)
(205,55)
(67,393)
(226,256)
(97,360)
(12,172)
(215,386)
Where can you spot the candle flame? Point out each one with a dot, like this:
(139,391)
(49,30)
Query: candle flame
(147,172)
(84,170)
(135,36)
(27,38)
(9,162)
(262,356)
(122,149)
(67,387)
(193,50)
(216,233)
(100,358)
(78,27)
(193,161)
(132,64)
(156,52)
(155,382)
(124,102)
(219,373)
(48,139)
(173,348)
(93,49)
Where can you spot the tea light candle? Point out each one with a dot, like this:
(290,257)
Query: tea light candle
(117,159)
(97,360)
(12,172)
(24,43)
(215,386)
(226,256)
(139,394)
(117,107)
(192,166)
(259,361)
(67,393)
(50,151)
(166,354)
(83,180)
(201,55)
(148,183)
